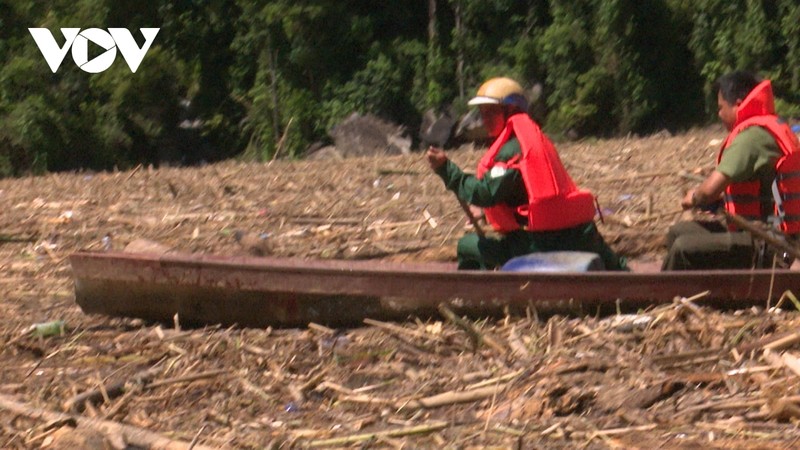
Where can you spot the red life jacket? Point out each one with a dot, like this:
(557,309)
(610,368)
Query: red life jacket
(554,202)
(744,198)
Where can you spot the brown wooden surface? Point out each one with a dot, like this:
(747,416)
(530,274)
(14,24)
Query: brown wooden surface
(288,292)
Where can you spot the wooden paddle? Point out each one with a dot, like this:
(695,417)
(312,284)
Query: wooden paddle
(772,237)
(474,221)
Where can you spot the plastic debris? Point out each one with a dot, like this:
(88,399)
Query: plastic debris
(629,322)
(65,217)
(291,407)
(106,242)
(47,329)
(336,342)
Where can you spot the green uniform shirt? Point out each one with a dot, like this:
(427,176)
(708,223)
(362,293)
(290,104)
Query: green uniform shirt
(506,186)
(752,156)
(496,187)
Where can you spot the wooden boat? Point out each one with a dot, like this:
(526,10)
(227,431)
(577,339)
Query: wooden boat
(260,292)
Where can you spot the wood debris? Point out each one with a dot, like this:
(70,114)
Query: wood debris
(679,375)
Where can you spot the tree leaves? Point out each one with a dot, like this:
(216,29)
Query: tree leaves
(225,76)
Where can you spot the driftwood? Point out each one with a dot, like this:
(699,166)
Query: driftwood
(132,435)
(97,396)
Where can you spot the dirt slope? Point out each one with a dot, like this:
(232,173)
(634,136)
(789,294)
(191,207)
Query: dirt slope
(681,377)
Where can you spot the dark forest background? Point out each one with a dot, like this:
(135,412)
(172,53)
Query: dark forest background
(233,78)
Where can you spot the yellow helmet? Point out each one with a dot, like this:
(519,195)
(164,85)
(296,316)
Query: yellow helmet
(500,91)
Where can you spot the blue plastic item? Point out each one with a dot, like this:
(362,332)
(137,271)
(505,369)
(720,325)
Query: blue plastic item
(796,128)
(553,262)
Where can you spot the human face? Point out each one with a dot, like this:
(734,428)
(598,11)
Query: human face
(494,119)
(726,111)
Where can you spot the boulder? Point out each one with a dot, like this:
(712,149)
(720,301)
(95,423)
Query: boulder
(368,135)
(327,152)
(436,130)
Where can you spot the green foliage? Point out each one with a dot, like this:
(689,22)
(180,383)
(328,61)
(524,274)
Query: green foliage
(786,109)
(254,78)
(372,90)
(743,34)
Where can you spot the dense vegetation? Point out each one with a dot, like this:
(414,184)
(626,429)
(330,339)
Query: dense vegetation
(237,77)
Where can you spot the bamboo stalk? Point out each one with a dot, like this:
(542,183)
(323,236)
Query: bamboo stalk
(366,399)
(321,328)
(134,436)
(384,171)
(253,389)
(500,379)
(325,221)
(784,342)
(380,226)
(454,397)
(419,429)
(396,329)
(635,176)
(188,378)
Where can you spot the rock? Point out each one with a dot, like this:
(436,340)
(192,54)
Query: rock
(398,143)
(436,130)
(327,152)
(368,135)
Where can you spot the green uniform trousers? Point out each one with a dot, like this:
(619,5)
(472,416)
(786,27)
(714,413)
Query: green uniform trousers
(475,252)
(699,245)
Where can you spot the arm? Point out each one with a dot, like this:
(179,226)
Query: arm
(436,158)
(505,187)
(709,191)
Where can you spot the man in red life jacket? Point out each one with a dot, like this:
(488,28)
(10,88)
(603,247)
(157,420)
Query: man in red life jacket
(527,195)
(758,160)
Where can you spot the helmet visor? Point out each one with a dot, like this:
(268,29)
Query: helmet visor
(483,100)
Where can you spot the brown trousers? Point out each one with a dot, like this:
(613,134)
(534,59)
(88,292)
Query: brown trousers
(708,245)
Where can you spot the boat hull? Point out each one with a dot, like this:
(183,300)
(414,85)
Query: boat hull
(260,292)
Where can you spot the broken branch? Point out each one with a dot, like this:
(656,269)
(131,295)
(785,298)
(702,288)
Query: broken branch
(132,435)
(475,335)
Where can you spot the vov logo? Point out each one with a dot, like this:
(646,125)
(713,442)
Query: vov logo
(111,40)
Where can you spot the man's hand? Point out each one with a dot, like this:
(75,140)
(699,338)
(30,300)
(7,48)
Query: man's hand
(436,157)
(477,212)
(708,194)
(688,200)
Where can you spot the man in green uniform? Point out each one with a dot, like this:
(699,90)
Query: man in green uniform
(750,156)
(500,100)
